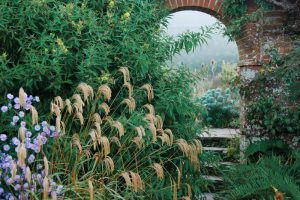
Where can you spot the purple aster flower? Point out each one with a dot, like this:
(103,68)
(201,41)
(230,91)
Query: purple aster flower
(26,186)
(39,166)
(3,137)
(17,187)
(6,147)
(52,128)
(37,99)
(21,114)
(28,134)
(9,181)
(17,100)
(44,123)
(37,127)
(1,191)
(17,106)
(17,178)
(15,141)
(27,106)
(10,96)
(15,119)
(59,189)
(23,124)
(31,158)
(4,109)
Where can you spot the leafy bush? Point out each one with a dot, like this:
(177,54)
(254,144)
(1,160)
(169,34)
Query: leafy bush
(276,110)
(266,179)
(222,108)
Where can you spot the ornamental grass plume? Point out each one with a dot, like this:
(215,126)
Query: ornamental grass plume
(150,118)
(104,107)
(127,178)
(94,138)
(125,72)
(13,170)
(137,183)
(76,142)
(78,103)
(45,188)
(159,122)
(79,116)
(140,143)
(58,124)
(129,87)
(91,190)
(55,109)
(140,130)
(98,129)
(97,118)
(22,134)
(159,171)
(22,154)
(86,90)
(28,175)
(130,103)
(150,108)
(46,165)
(34,115)
(149,89)
(115,140)
(152,128)
(119,126)
(68,106)
(109,164)
(59,102)
(105,144)
(171,136)
(105,91)
(22,97)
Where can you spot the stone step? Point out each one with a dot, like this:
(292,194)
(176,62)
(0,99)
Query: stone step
(213,178)
(227,164)
(220,133)
(208,196)
(218,149)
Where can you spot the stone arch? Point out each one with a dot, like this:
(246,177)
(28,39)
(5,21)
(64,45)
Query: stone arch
(256,37)
(249,42)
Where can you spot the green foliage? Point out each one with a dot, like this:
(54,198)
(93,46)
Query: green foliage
(222,108)
(48,47)
(267,147)
(236,11)
(277,108)
(257,180)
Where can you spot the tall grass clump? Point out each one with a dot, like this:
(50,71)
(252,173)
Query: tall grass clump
(110,148)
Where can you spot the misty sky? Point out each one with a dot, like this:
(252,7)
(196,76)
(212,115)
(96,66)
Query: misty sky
(218,47)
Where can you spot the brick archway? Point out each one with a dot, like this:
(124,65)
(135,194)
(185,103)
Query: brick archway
(256,37)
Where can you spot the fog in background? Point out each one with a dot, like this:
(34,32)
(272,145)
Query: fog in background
(218,47)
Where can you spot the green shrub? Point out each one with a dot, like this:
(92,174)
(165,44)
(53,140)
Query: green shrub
(222,108)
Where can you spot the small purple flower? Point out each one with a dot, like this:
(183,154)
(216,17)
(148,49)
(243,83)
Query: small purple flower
(37,99)
(23,124)
(1,190)
(31,158)
(3,137)
(59,189)
(15,141)
(26,186)
(15,119)
(44,123)
(27,106)
(4,109)
(10,96)
(28,134)
(17,187)
(6,147)
(17,100)
(9,181)
(12,123)
(37,127)
(39,166)
(52,128)
(21,114)
(17,178)
(17,106)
